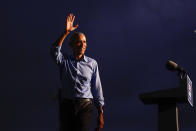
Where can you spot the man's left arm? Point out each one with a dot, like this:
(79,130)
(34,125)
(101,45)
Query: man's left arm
(100,120)
(98,96)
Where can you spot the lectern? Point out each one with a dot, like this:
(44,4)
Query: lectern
(166,101)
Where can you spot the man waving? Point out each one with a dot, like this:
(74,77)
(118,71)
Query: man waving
(80,82)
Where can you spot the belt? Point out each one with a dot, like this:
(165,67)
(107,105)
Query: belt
(78,100)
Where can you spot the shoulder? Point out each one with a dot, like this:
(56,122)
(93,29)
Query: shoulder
(91,60)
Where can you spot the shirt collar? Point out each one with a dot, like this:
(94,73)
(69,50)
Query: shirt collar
(84,58)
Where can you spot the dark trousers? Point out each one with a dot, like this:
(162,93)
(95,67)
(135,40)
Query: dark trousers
(75,115)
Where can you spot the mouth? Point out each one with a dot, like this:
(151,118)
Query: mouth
(81,49)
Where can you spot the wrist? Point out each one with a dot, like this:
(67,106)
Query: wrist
(66,32)
(100,109)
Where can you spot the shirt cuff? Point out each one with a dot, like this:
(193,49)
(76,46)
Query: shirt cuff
(99,103)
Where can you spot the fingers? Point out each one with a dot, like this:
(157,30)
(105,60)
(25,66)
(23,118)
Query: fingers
(100,121)
(76,26)
(69,22)
(68,18)
(71,17)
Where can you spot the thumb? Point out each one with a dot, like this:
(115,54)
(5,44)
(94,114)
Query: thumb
(76,26)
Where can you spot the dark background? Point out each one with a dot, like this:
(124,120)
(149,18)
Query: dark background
(130,39)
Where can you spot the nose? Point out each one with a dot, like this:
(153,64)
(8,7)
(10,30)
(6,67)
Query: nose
(82,44)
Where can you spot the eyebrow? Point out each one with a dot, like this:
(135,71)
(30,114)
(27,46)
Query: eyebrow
(81,40)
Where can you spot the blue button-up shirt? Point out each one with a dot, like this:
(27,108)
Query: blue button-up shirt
(80,79)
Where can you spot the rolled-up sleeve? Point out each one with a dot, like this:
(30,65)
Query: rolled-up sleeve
(97,87)
(56,54)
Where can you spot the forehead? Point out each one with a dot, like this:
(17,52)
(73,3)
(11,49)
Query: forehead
(81,37)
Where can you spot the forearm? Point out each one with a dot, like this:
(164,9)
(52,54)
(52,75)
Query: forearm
(100,109)
(100,120)
(61,39)
(56,47)
(55,50)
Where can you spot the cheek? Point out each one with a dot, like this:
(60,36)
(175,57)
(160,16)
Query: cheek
(78,45)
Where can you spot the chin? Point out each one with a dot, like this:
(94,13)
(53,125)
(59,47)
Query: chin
(82,52)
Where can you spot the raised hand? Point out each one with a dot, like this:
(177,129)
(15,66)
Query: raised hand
(69,23)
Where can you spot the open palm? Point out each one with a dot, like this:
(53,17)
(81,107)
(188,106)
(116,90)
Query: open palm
(69,23)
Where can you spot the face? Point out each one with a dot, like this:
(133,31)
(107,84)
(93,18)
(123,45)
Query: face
(80,46)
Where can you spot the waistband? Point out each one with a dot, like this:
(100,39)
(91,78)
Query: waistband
(78,100)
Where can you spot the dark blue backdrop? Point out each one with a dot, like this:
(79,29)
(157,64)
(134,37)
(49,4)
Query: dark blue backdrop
(130,39)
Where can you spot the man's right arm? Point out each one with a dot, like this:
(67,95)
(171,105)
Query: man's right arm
(69,27)
(60,40)
(56,47)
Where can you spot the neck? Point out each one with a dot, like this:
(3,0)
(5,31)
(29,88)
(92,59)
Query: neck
(78,56)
